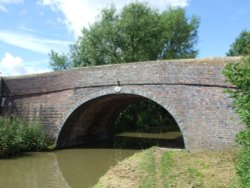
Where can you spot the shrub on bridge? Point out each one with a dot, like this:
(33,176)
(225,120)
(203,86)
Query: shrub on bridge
(16,136)
(238,74)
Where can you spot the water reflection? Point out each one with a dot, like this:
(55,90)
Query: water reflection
(63,168)
(83,167)
(79,167)
(30,171)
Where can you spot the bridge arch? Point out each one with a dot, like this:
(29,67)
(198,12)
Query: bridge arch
(84,108)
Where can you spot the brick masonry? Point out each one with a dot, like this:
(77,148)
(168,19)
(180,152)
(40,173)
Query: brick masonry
(80,105)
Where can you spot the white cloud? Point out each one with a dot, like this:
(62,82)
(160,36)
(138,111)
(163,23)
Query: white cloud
(10,65)
(3,9)
(14,66)
(33,43)
(3,4)
(79,13)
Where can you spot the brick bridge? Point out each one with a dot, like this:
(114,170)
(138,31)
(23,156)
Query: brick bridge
(80,105)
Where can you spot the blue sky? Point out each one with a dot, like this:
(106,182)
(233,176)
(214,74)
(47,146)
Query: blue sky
(29,29)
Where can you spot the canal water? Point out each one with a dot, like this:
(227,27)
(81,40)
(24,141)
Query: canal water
(76,168)
(59,169)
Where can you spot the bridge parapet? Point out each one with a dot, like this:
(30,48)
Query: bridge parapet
(170,72)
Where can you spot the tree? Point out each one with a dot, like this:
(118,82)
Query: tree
(241,46)
(238,74)
(59,61)
(180,35)
(136,33)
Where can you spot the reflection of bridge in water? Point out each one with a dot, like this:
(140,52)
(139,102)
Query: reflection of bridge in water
(59,169)
(81,105)
(32,170)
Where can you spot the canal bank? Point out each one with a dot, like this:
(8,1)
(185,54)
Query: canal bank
(162,167)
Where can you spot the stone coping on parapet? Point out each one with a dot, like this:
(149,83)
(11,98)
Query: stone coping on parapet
(200,61)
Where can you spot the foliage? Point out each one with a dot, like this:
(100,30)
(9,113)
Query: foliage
(136,33)
(241,46)
(179,36)
(145,116)
(59,61)
(238,74)
(17,136)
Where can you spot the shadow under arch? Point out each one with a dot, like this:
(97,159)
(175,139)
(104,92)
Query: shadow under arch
(90,119)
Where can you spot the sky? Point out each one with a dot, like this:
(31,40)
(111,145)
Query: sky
(29,29)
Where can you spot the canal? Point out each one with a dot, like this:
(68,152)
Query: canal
(59,169)
(77,167)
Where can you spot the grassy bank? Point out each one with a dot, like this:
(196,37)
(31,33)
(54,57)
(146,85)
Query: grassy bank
(159,167)
(16,136)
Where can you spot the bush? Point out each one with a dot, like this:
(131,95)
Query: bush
(238,74)
(17,136)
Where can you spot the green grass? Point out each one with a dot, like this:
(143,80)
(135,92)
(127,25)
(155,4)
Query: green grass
(171,173)
(159,167)
(148,167)
(167,164)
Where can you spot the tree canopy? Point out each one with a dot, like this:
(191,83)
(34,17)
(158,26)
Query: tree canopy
(59,61)
(136,33)
(241,45)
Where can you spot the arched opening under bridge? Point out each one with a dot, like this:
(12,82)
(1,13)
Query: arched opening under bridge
(121,120)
